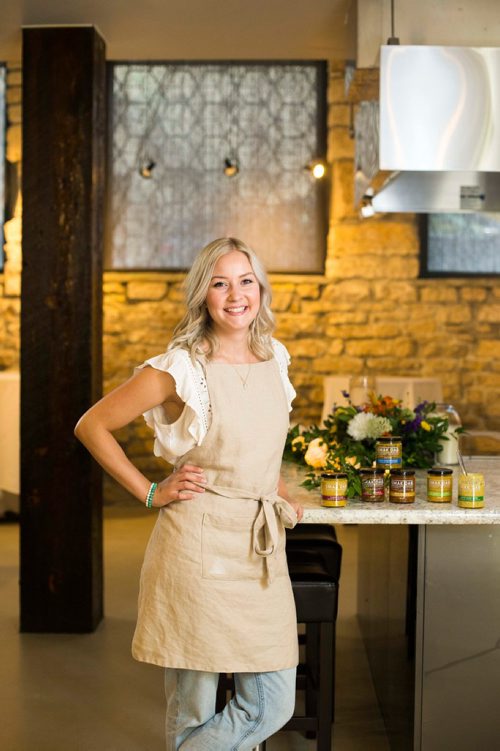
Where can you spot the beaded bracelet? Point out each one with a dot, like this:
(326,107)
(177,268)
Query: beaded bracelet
(151,492)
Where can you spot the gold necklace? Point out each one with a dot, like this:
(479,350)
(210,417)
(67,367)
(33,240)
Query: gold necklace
(245,379)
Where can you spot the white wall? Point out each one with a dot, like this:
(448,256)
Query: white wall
(468,23)
(195,29)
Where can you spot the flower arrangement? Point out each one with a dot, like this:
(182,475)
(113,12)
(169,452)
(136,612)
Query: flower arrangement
(346,442)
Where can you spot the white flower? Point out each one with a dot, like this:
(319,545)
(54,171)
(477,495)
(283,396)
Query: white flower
(365,425)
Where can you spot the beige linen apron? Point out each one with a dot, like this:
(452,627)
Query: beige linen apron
(215,593)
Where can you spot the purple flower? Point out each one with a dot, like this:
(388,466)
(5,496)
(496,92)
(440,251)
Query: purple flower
(345,394)
(421,407)
(413,426)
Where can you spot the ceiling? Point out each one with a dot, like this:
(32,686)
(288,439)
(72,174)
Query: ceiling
(195,29)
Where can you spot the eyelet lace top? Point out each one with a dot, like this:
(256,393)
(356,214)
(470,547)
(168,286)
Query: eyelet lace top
(173,440)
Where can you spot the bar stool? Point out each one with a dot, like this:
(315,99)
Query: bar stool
(314,561)
(315,566)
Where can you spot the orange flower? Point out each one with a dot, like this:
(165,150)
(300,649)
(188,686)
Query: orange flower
(382,405)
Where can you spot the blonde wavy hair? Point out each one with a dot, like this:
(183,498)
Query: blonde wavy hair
(194,332)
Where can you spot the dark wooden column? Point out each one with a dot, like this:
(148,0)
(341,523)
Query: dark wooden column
(61,326)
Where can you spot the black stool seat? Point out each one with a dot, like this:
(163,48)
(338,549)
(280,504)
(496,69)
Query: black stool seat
(314,546)
(316,599)
(311,533)
(315,562)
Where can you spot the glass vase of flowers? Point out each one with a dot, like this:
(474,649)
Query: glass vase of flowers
(346,440)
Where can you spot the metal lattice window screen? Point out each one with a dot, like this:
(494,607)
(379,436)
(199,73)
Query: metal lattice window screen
(187,119)
(3,84)
(463,244)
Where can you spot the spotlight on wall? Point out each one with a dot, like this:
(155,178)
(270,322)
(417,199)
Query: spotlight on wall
(231,167)
(366,209)
(317,168)
(146,169)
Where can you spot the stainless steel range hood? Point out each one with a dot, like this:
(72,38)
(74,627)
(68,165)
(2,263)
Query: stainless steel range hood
(439,129)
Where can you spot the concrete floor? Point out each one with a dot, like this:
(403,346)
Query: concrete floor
(86,693)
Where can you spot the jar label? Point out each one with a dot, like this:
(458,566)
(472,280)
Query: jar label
(471,490)
(372,486)
(403,484)
(439,488)
(389,450)
(408,497)
(334,490)
(389,455)
(337,501)
(334,487)
(389,461)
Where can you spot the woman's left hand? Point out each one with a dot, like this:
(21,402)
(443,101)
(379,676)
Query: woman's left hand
(297,508)
(283,493)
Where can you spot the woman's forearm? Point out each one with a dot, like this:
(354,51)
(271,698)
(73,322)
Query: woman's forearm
(120,407)
(109,454)
(283,490)
(283,493)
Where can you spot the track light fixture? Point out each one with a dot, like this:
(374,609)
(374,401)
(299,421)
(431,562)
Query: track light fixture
(317,168)
(231,167)
(366,209)
(146,169)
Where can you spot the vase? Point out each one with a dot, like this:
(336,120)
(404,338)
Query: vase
(360,389)
(448,453)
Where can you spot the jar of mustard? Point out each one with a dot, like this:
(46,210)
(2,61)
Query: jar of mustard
(389,452)
(372,483)
(439,485)
(333,489)
(402,486)
(471,490)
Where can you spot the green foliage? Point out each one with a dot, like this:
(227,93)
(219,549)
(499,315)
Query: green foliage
(341,445)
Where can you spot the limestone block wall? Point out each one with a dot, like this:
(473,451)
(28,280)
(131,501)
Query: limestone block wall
(368,312)
(10,277)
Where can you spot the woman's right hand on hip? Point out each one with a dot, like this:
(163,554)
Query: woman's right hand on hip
(182,485)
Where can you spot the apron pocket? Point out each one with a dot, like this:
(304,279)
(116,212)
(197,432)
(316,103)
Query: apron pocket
(226,549)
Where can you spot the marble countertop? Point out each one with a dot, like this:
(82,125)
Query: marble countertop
(421,512)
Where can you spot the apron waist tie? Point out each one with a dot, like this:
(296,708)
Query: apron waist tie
(272,507)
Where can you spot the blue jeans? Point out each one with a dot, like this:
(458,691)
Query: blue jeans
(262,704)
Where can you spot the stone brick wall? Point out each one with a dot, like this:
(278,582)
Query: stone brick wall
(10,278)
(368,312)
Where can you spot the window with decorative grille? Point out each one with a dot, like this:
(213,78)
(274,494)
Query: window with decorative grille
(205,150)
(464,244)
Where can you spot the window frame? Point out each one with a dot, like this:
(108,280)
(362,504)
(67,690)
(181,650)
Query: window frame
(323,186)
(426,273)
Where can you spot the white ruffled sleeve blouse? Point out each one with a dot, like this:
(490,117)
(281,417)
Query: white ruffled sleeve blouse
(172,440)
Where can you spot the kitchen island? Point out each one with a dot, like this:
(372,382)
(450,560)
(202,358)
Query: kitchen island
(429,610)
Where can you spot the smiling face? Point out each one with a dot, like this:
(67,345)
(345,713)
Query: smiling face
(233,296)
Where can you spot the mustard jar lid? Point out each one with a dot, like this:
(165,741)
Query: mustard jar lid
(439,471)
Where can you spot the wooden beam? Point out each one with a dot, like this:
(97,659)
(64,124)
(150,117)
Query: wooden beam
(64,106)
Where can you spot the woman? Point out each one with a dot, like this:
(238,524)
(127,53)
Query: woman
(215,593)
